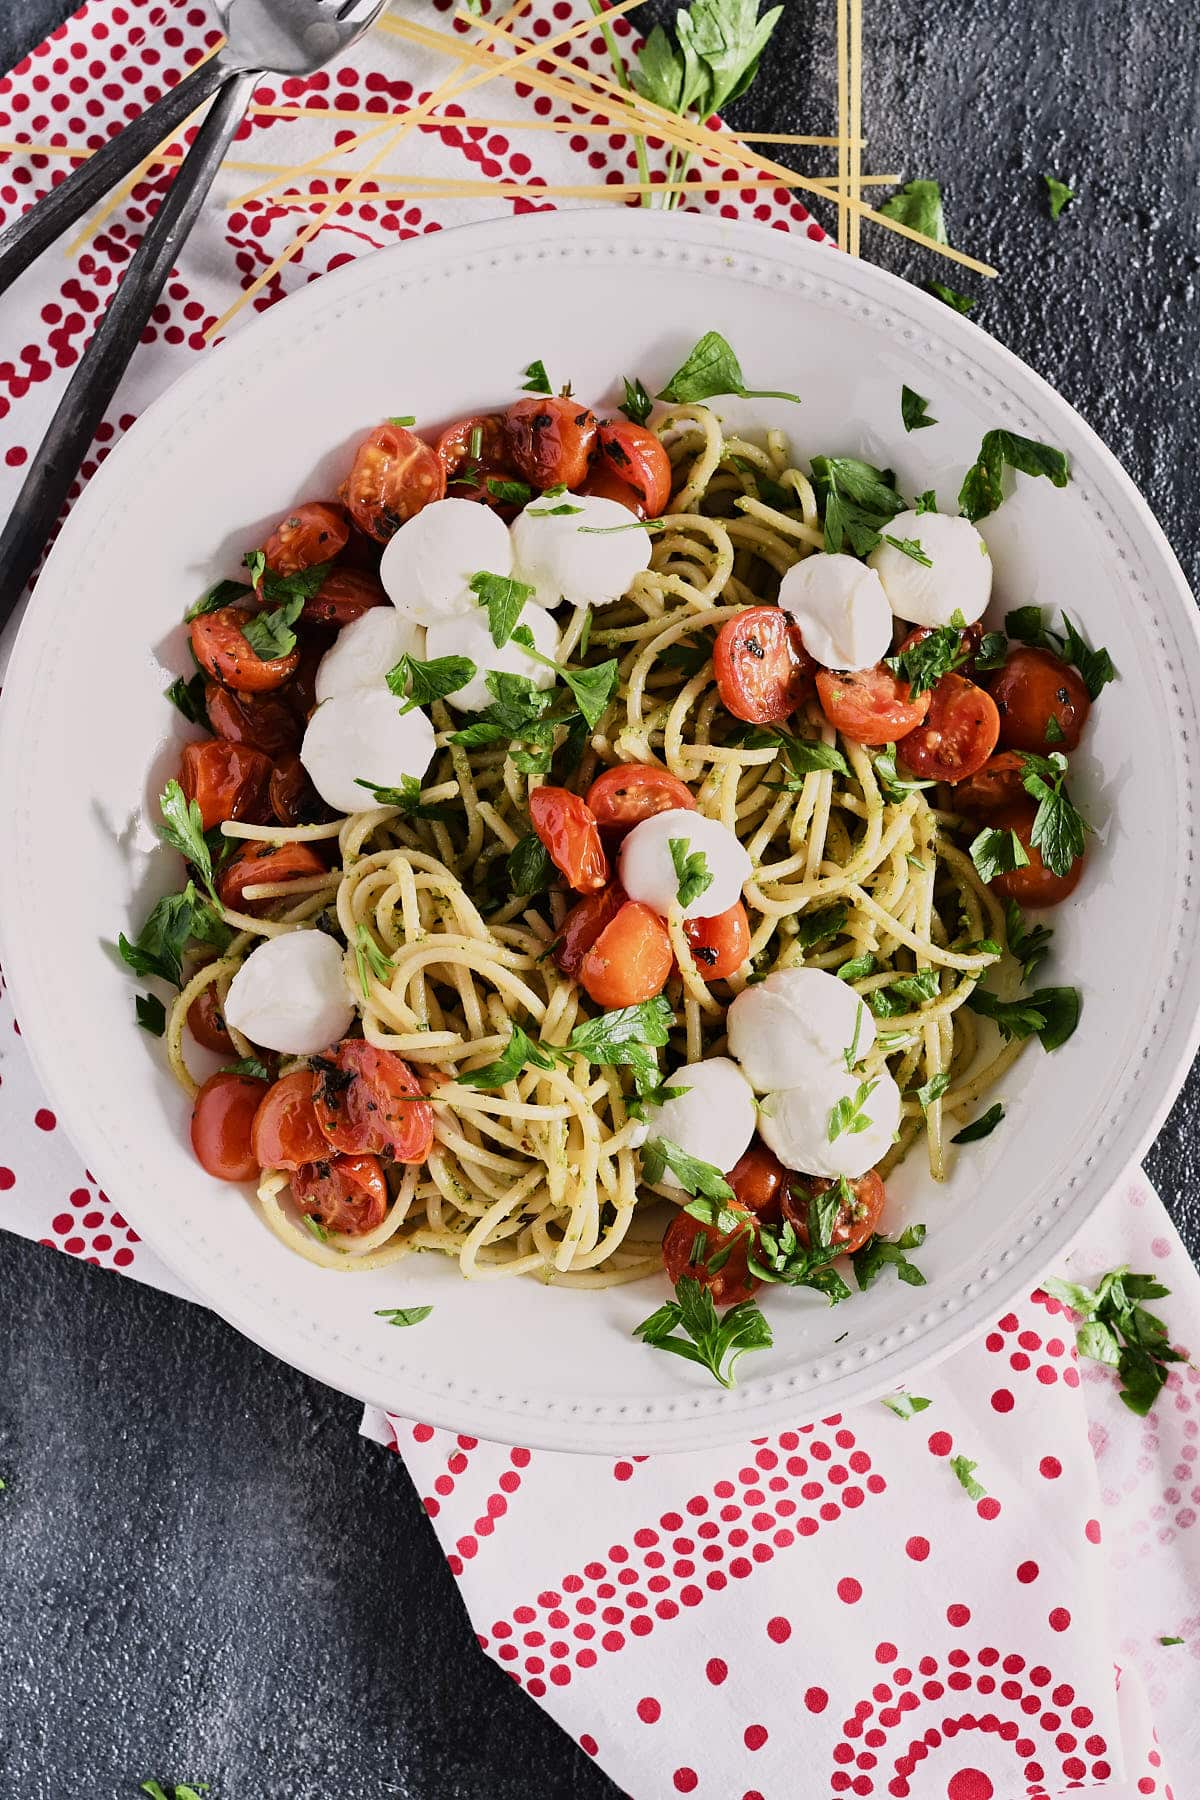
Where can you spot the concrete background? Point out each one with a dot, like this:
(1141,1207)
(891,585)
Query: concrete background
(227,1585)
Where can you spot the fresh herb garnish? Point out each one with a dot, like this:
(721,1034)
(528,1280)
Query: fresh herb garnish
(997,852)
(962,303)
(1027,624)
(408,798)
(404,1315)
(858,499)
(151,1014)
(919,206)
(591,689)
(847,1114)
(905,1406)
(895,787)
(981,1127)
(964,1473)
(910,547)
(711,368)
(879,1253)
(804,755)
(1059,829)
(690,654)
(183,829)
(528,865)
(637,405)
(850,1053)
(982,490)
(404,419)
(992,651)
(180,1790)
(695,1177)
(913,410)
(924,663)
(224,593)
(558,512)
(720,43)
(691,871)
(518,1053)
(509,493)
(715,1343)
(933,1089)
(369,957)
(926,502)
(420,683)
(1118,1330)
(1059,194)
(1054,732)
(1029,944)
(1168,1642)
(1049,1013)
(188,697)
(814,928)
(904,994)
(249,1066)
(777,1254)
(857,968)
(175,922)
(536,379)
(503,596)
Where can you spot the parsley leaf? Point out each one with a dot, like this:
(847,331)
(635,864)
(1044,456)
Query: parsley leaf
(249,1065)
(719,46)
(1029,944)
(183,829)
(814,928)
(913,410)
(936,654)
(895,787)
(962,303)
(419,683)
(716,1344)
(910,547)
(992,651)
(151,1014)
(1059,194)
(188,697)
(404,1315)
(711,368)
(612,1036)
(1096,666)
(919,206)
(504,597)
(690,654)
(1117,1329)
(529,867)
(509,493)
(804,755)
(181,1790)
(858,499)
(964,1471)
(926,502)
(847,1113)
(904,994)
(1050,1013)
(270,634)
(175,922)
(1059,830)
(982,490)
(981,1127)
(880,1252)
(520,1050)
(408,798)
(934,1088)
(905,1406)
(369,958)
(857,967)
(997,852)
(536,379)
(691,871)
(225,593)
(591,688)
(695,1177)
(637,405)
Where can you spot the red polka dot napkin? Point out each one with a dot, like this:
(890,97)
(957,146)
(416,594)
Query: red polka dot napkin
(825,1611)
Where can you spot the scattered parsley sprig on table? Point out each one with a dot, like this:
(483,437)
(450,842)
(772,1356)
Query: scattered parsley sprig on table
(1117,1329)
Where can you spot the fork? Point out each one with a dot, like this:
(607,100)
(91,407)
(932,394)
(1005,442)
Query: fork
(281,37)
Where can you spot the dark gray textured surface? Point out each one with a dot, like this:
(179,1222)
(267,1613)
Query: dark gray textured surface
(228,1585)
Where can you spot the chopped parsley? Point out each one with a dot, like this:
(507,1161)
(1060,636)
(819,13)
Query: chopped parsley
(904,994)
(982,490)
(814,928)
(926,502)
(183,829)
(847,1114)
(249,1066)
(691,871)
(151,1014)
(804,756)
(992,652)
(591,689)
(712,368)
(895,787)
(369,958)
(1059,829)
(225,593)
(404,1315)
(998,852)
(637,405)
(879,1253)
(419,683)
(1027,624)
(690,654)
(528,865)
(176,921)
(503,597)
(509,493)
(188,698)
(924,663)
(913,410)
(964,1473)
(858,499)
(688,1326)
(905,1406)
(536,379)
(919,206)
(1048,1013)
(1118,1330)
(1029,944)
(1058,194)
(981,1127)
(695,1177)
(408,798)
(910,547)
(933,1089)
(962,303)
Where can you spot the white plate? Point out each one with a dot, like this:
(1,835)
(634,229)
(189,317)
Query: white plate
(441,326)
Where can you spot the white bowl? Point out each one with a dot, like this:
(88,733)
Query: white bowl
(444,325)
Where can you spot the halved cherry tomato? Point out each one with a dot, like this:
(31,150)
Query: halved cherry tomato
(346,1194)
(719,945)
(469,469)
(286,1133)
(732,1282)
(227,781)
(763,670)
(259,863)
(630,960)
(222,1117)
(583,925)
(567,827)
(551,439)
(394,474)
(625,795)
(206,1022)
(958,735)
(293,798)
(223,652)
(1033,687)
(758,1180)
(344,594)
(635,455)
(604,483)
(369,1100)
(266,722)
(855,1221)
(313,533)
(1034,885)
(999,784)
(870,706)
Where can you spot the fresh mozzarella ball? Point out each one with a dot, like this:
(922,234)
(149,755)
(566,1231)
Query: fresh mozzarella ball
(841,609)
(364,733)
(429,563)
(648,869)
(714,1121)
(959,579)
(563,562)
(365,649)
(291,995)
(469,635)
(794,1123)
(793,1018)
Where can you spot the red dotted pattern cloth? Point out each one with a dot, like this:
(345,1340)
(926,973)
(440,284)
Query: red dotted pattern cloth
(822,1612)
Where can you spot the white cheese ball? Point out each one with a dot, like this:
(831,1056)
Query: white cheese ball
(290,994)
(714,1121)
(428,565)
(779,1028)
(841,609)
(365,649)
(647,867)
(563,562)
(364,733)
(794,1123)
(959,579)
(469,635)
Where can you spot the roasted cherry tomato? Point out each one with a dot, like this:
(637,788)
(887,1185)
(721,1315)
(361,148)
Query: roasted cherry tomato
(286,1133)
(870,706)
(227,781)
(293,798)
(1033,687)
(999,784)
(637,457)
(369,1100)
(763,670)
(758,1180)
(346,1194)
(259,863)
(630,960)
(622,797)
(223,652)
(1034,885)
(856,1219)
(958,734)
(266,722)
(313,533)
(603,482)
(567,827)
(206,1022)
(719,945)
(344,594)
(474,451)
(222,1117)
(732,1282)
(551,439)
(583,925)
(394,474)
